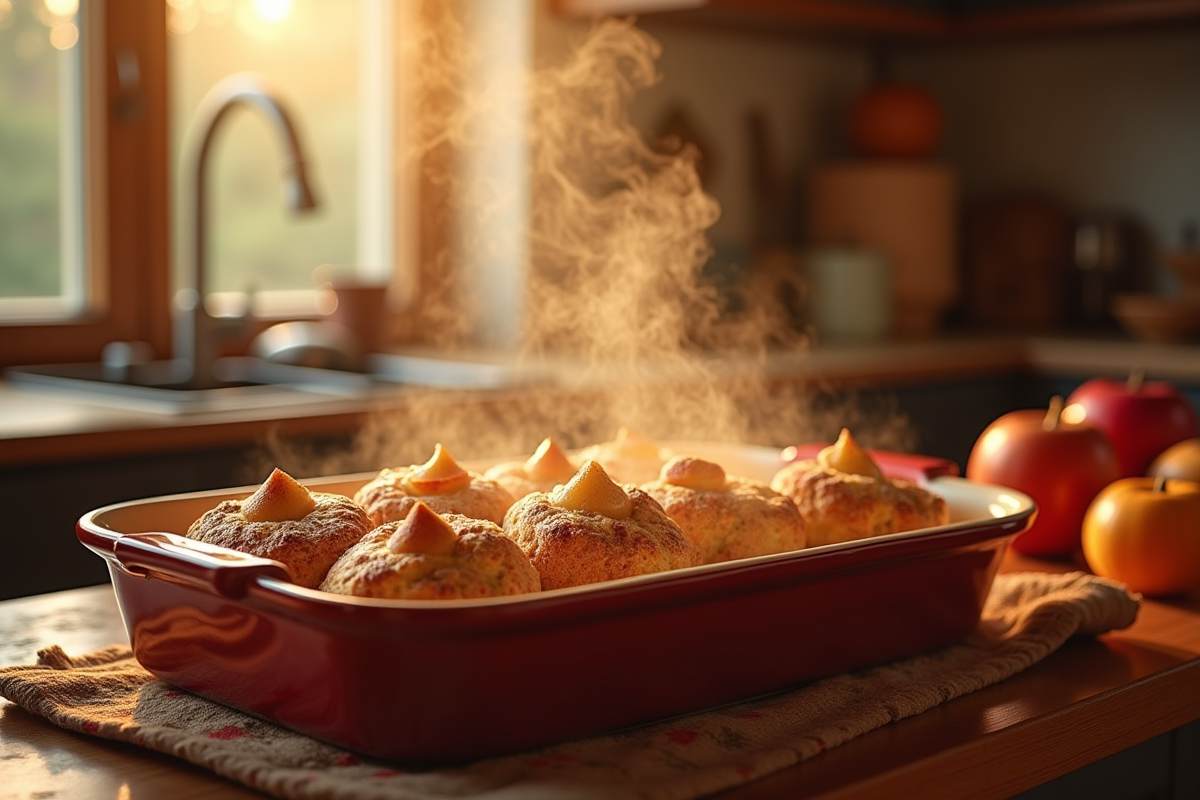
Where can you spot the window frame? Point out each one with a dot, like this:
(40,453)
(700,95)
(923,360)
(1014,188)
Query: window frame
(127,208)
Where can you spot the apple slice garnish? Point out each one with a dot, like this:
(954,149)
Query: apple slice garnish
(631,444)
(549,463)
(846,456)
(280,498)
(424,532)
(441,474)
(689,472)
(592,491)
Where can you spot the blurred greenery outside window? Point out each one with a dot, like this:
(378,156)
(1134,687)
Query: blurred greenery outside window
(41,175)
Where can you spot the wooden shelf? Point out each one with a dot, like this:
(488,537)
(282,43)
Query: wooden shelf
(892,20)
(1076,16)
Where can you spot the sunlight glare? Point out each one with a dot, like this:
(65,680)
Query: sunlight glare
(183,19)
(62,8)
(273,11)
(1074,414)
(217,9)
(64,35)
(993,441)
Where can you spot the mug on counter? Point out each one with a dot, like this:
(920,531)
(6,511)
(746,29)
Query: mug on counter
(355,299)
(849,293)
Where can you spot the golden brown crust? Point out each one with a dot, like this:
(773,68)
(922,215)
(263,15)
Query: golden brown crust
(571,548)
(387,498)
(485,563)
(745,518)
(839,507)
(306,546)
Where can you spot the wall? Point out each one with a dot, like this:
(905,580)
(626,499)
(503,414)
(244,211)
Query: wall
(1097,120)
(717,79)
(1102,121)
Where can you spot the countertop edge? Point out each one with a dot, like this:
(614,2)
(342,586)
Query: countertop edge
(42,429)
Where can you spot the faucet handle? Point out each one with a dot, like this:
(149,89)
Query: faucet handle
(250,293)
(119,358)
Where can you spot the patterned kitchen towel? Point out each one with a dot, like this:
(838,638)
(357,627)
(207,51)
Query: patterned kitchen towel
(1028,616)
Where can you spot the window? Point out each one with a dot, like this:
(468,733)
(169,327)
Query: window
(41,159)
(121,194)
(329,67)
(110,211)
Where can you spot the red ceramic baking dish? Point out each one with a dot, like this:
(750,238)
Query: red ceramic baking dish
(435,682)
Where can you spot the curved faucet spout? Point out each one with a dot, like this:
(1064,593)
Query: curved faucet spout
(197,333)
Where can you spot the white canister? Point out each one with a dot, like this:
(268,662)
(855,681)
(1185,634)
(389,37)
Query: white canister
(849,293)
(906,209)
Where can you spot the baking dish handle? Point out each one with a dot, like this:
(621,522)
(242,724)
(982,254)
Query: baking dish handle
(916,468)
(225,572)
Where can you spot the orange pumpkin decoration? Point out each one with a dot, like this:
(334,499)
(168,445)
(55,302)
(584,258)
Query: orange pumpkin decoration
(895,120)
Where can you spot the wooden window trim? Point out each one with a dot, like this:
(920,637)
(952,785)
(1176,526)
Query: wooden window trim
(132,265)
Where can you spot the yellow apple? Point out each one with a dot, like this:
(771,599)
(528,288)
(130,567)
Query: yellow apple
(1145,532)
(1181,460)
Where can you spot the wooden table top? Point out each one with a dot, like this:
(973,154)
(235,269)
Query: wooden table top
(1088,700)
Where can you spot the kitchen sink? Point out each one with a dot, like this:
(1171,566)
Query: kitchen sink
(247,382)
(452,373)
(162,386)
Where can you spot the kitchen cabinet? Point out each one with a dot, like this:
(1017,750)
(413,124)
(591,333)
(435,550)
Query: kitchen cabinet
(897,19)
(44,501)
(950,415)
(1162,767)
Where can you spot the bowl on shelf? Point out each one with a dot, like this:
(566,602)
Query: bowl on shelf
(1160,319)
(1186,266)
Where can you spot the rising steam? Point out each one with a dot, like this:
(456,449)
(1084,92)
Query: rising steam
(616,248)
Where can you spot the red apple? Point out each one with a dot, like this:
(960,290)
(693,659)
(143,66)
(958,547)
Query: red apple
(1141,418)
(1062,466)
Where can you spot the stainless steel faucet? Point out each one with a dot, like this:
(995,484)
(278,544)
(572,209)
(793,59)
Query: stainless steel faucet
(197,333)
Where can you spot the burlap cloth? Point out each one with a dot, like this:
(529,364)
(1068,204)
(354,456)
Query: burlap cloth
(1028,616)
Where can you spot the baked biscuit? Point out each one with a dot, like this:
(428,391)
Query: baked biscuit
(843,495)
(546,468)
(427,556)
(628,458)
(441,484)
(592,529)
(283,520)
(726,516)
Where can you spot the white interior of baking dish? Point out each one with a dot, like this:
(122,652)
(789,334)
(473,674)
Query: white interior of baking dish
(968,502)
